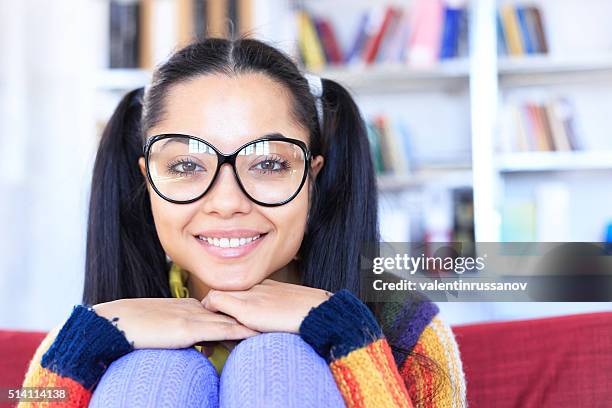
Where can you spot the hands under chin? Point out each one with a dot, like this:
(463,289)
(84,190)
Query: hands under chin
(269,306)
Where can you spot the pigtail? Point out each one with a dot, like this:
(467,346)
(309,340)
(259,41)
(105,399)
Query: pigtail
(343,214)
(124,256)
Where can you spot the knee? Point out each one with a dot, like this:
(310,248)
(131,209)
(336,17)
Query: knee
(162,362)
(277,341)
(180,377)
(277,370)
(275,346)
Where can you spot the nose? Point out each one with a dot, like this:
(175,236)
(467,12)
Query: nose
(225,198)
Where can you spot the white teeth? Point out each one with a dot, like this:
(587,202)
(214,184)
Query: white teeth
(228,242)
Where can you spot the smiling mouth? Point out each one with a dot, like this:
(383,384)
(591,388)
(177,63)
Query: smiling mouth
(229,242)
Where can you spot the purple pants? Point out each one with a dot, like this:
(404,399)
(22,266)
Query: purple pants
(272,370)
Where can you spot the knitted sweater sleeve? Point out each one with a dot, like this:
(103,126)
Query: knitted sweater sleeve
(433,372)
(75,356)
(344,332)
(372,372)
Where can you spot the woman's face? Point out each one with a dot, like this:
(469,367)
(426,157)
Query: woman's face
(229,112)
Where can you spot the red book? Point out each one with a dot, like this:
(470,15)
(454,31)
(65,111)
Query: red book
(371,48)
(328,38)
(539,130)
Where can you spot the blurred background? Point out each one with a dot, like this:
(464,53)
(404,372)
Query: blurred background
(488,120)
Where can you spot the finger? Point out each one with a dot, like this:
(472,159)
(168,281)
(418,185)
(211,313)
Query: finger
(237,331)
(212,317)
(219,301)
(269,281)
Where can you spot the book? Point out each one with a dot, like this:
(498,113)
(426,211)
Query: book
(124,35)
(557,127)
(374,25)
(375,149)
(501,37)
(546,125)
(373,45)
(310,47)
(539,129)
(385,33)
(463,215)
(512,31)
(426,34)
(520,30)
(200,19)
(325,31)
(565,111)
(386,147)
(526,36)
(360,39)
(536,19)
(547,131)
(450,36)
(395,44)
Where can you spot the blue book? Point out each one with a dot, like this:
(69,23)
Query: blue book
(355,52)
(450,34)
(526,36)
(501,37)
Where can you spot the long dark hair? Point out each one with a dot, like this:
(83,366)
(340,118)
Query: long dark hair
(125,258)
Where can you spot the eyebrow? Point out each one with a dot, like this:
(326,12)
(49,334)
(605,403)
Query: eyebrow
(175,140)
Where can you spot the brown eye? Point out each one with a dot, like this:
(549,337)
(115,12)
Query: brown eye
(268,165)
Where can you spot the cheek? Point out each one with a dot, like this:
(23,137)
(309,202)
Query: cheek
(169,222)
(290,222)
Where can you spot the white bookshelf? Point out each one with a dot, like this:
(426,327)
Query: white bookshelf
(551,70)
(554,161)
(449,177)
(581,71)
(465,94)
(380,78)
(376,78)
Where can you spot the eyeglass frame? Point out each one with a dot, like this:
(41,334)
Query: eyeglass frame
(230,158)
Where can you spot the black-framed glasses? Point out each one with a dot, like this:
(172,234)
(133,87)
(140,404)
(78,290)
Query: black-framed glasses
(270,170)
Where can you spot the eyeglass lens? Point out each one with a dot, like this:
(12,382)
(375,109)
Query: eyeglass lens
(270,171)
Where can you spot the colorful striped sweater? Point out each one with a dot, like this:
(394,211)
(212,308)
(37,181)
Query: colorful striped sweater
(409,359)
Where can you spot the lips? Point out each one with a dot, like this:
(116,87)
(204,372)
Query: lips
(230,243)
(230,233)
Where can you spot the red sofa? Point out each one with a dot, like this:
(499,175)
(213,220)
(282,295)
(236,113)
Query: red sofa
(551,362)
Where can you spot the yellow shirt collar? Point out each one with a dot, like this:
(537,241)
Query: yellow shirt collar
(177,278)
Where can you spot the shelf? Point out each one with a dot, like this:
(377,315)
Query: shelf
(446,75)
(446,176)
(554,161)
(120,79)
(383,78)
(376,78)
(546,69)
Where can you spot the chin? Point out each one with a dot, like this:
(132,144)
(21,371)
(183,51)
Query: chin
(229,280)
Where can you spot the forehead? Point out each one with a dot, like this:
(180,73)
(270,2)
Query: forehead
(229,111)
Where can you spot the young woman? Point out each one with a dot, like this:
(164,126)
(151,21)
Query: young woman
(229,204)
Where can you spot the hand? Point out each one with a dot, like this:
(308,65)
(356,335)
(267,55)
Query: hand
(170,323)
(269,306)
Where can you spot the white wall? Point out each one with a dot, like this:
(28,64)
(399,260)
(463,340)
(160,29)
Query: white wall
(47,141)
